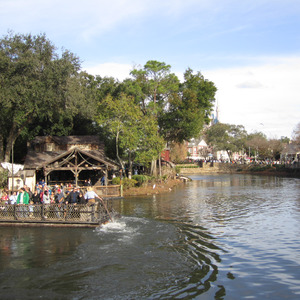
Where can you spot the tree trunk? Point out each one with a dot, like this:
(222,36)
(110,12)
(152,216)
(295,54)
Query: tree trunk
(1,148)
(12,136)
(159,165)
(117,151)
(229,155)
(129,165)
(153,168)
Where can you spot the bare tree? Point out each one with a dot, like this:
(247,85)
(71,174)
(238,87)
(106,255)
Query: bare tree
(296,134)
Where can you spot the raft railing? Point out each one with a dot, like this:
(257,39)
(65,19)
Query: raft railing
(57,213)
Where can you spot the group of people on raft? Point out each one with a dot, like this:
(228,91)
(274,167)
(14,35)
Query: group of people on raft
(43,194)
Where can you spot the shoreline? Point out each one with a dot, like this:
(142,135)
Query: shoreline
(153,189)
(171,184)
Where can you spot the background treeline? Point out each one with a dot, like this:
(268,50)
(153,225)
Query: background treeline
(45,92)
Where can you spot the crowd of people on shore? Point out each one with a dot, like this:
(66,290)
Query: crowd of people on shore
(44,194)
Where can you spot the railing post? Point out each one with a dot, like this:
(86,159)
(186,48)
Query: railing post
(43,212)
(93,213)
(15,212)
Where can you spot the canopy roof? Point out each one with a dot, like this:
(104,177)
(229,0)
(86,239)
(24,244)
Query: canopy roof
(73,158)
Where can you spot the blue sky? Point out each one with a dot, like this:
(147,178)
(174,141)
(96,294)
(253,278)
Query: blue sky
(249,49)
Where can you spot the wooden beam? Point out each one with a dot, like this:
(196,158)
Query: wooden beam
(79,169)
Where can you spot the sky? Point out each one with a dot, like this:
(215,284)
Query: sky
(250,49)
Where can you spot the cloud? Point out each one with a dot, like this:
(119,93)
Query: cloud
(265,93)
(111,69)
(249,85)
(263,97)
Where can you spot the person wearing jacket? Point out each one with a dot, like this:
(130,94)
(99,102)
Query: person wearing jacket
(23,197)
(22,201)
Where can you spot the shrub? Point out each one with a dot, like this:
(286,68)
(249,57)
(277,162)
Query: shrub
(116,181)
(164,177)
(128,183)
(280,168)
(141,179)
(261,168)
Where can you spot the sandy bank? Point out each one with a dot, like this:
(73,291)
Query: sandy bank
(157,188)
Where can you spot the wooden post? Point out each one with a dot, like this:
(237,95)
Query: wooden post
(106,174)
(43,211)
(76,169)
(121,189)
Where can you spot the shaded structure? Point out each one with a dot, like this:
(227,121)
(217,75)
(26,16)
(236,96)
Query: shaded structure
(290,155)
(66,158)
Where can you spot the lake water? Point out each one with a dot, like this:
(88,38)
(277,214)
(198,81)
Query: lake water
(216,237)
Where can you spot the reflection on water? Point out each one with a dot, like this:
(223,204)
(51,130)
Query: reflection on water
(40,246)
(221,236)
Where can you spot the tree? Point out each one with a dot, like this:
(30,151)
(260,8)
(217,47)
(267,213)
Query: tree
(189,109)
(228,137)
(36,83)
(275,148)
(296,134)
(178,152)
(258,143)
(180,109)
(153,85)
(134,133)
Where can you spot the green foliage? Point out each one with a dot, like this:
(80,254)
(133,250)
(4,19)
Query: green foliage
(180,109)
(3,177)
(128,183)
(226,137)
(37,85)
(164,178)
(141,179)
(135,133)
(116,181)
(261,168)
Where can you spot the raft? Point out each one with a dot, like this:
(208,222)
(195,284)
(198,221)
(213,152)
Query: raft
(56,215)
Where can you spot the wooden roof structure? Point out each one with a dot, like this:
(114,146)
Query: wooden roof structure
(69,153)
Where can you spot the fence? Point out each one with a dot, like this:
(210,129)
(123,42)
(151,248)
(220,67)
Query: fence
(56,213)
(108,190)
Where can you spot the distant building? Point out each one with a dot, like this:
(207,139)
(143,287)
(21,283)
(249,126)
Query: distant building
(197,149)
(290,153)
(214,119)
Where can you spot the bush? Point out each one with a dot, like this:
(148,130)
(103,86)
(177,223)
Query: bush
(141,179)
(164,177)
(280,168)
(128,183)
(261,168)
(116,181)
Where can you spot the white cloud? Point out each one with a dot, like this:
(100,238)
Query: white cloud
(249,85)
(111,69)
(262,98)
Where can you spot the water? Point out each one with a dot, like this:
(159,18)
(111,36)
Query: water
(217,237)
